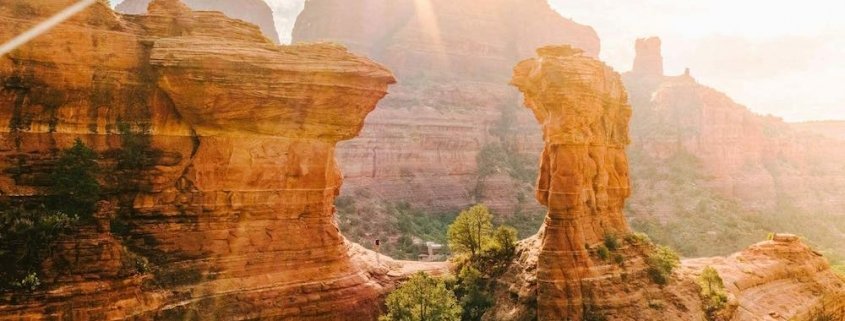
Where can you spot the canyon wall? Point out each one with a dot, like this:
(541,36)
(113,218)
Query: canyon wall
(586,265)
(452,60)
(235,218)
(254,11)
(699,154)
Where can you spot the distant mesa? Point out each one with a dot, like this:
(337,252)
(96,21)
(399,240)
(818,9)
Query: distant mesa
(253,11)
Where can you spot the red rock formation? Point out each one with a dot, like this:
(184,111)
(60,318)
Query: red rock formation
(236,216)
(758,162)
(453,62)
(253,11)
(560,275)
(781,279)
(649,58)
(584,112)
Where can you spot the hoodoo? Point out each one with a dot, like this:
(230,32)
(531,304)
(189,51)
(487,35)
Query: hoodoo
(583,110)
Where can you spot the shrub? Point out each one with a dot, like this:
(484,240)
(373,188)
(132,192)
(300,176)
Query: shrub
(603,252)
(474,300)
(422,298)
(75,188)
(712,292)
(637,238)
(661,263)
(504,242)
(618,259)
(25,237)
(135,152)
(611,242)
(470,231)
(591,313)
(29,283)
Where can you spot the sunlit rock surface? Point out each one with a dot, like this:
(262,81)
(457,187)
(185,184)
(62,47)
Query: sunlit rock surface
(253,11)
(453,61)
(560,275)
(236,216)
(693,144)
(779,279)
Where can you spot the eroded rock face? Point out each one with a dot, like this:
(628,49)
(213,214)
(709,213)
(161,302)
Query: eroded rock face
(584,112)
(781,279)
(236,216)
(723,151)
(253,11)
(561,274)
(453,61)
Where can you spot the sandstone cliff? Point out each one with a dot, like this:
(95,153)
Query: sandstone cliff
(781,279)
(234,220)
(704,162)
(253,11)
(573,270)
(452,58)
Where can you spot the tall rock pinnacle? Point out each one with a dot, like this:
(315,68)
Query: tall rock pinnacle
(649,60)
(583,110)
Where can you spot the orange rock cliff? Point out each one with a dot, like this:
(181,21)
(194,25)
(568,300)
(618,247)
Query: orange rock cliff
(766,172)
(453,60)
(561,274)
(236,215)
(253,11)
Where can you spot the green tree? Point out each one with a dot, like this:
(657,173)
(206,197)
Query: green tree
(712,292)
(470,231)
(422,298)
(75,187)
(475,301)
(504,241)
(26,235)
(661,263)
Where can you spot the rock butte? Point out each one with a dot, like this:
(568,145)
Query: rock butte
(453,59)
(236,216)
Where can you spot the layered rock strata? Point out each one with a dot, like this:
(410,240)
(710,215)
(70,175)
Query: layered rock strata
(574,270)
(253,11)
(695,146)
(236,216)
(780,279)
(583,109)
(452,59)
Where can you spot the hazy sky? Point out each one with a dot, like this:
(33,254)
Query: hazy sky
(777,57)
(784,58)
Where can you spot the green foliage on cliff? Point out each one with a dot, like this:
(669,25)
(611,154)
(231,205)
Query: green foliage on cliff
(498,157)
(136,152)
(26,235)
(712,292)
(475,299)
(422,298)
(75,187)
(661,263)
(471,231)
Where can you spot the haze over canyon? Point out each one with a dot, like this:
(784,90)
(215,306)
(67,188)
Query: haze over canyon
(420,160)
